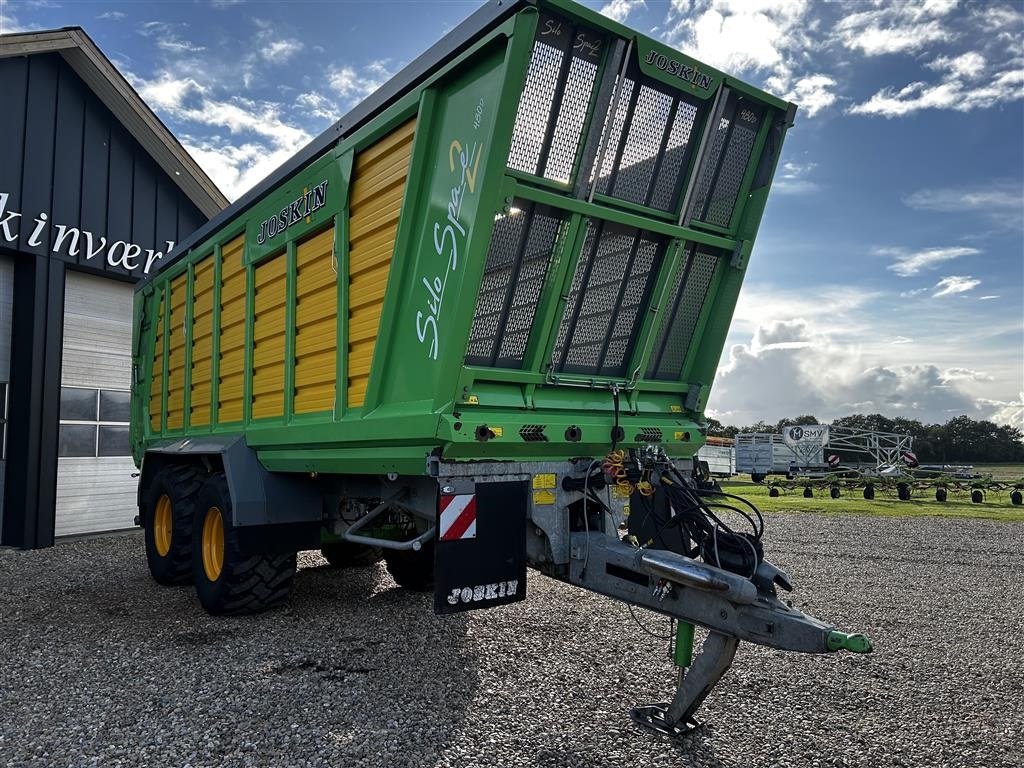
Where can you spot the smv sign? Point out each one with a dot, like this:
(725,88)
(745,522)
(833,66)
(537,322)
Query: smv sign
(813,435)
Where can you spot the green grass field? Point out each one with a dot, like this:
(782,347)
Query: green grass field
(995,507)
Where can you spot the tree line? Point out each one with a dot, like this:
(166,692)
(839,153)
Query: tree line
(961,439)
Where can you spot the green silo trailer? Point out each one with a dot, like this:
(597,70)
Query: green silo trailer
(472,328)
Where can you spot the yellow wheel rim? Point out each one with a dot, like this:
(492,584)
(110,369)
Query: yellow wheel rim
(213,543)
(163,525)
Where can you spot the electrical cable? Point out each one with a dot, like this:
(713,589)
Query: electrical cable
(586,521)
(645,629)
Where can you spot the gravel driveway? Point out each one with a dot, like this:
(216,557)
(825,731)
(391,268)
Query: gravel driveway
(100,666)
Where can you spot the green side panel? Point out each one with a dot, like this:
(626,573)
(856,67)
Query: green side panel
(447,234)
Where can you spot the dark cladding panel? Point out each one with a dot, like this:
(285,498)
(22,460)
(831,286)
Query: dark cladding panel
(67,159)
(120,190)
(189,219)
(144,204)
(95,161)
(167,201)
(40,121)
(13,82)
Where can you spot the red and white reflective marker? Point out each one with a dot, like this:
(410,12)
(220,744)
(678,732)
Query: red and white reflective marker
(458,517)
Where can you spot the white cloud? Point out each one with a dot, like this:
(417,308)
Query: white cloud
(280,51)
(907,263)
(1004,86)
(1003,412)
(968,65)
(738,36)
(813,93)
(898,27)
(236,168)
(840,306)
(9,23)
(619,10)
(353,84)
(317,105)
(912,293)
(902,340)
(111,15)
(968,374)
(791,179)
(987,298)
(166,36)
(812,372)
(954,284)
(1000,194)
(258,138)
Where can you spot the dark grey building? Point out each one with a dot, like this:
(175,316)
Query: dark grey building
(94,192)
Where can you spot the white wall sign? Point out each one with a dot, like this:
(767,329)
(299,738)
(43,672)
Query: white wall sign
(73,241)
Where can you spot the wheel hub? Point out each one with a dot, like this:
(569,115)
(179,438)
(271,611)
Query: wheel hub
(213,543)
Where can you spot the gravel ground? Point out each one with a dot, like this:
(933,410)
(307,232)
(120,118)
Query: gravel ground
(100,666)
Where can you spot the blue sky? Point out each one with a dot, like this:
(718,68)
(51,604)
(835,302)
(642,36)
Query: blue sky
(889,271)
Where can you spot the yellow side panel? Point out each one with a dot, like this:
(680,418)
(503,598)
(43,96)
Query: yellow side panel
(375,203)
(316,317)
(156,386)
(202,343)
(176,354)
(270,294)
(231,360)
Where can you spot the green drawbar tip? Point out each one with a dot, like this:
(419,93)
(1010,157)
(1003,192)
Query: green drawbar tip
(855,643)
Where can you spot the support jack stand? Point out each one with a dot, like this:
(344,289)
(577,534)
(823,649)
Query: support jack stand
(676,720)
(653,718)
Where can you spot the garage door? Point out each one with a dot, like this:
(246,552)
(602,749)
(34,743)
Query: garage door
(6,305)
(95,487)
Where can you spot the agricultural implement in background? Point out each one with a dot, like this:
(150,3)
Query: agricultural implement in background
(472,329)
(902,483)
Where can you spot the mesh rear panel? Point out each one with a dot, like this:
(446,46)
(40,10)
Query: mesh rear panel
(560,82)
(517,264)
(682,310)
(648,143)
(610,290)
(727,163)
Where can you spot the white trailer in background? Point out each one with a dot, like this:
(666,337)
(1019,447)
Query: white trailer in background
(720,455)
(766,453)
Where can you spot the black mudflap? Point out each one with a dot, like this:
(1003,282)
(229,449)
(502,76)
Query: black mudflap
(481,546)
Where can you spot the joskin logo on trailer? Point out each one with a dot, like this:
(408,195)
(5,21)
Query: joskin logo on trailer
(450,235)
(304,206)
(295,209)
(676,69)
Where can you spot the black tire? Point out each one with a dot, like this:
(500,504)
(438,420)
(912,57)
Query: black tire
(167,514)
(773,492)
(1016,498)
(941,494)
(834,492)
(977,496)
(869,492)
(346,554)
(808,492)
(244,582)
(903,491)
(412,570)
(757,477)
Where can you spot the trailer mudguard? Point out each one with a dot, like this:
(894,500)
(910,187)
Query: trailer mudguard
(285,505)
(480,555)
